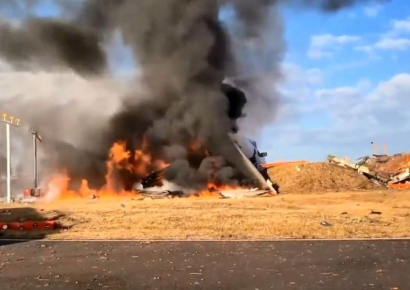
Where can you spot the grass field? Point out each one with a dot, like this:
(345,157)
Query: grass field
(347,215)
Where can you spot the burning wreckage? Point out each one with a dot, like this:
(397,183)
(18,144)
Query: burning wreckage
(127,169)
(392,171)
(246,152)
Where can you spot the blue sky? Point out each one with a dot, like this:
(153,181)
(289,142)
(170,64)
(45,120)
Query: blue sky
(347,80)
(345,107)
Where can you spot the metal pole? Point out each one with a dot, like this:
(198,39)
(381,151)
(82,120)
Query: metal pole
(8,154)
(35,159)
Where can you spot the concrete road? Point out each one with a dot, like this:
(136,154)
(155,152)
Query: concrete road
(206,265)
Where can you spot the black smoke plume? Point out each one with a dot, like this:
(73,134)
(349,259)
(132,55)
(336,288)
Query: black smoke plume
(184,53)
(52,43)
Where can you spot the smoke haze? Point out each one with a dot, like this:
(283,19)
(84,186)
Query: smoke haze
(59,80)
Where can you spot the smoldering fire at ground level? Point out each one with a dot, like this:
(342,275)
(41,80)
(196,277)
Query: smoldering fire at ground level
(129,174)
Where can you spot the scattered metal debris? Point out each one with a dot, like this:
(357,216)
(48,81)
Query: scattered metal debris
(160,194)
(392,171)
(234,193)
(243,193)
(325,224)
(155,178)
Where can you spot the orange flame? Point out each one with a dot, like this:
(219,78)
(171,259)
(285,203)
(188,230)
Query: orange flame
(119,158)
(140,164)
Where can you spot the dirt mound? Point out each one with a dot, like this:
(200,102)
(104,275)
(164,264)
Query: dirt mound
(317,177)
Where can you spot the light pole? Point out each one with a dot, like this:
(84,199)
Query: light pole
(36,137)
(9,121)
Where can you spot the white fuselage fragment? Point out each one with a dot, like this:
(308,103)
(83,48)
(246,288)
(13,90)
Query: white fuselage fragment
(249,149)
(252,159)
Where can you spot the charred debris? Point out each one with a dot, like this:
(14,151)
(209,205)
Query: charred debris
(391,171)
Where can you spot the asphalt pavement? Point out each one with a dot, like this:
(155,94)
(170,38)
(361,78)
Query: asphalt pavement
(344,265)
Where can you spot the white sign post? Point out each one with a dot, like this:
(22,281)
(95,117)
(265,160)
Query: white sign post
(8,155)
(9,120)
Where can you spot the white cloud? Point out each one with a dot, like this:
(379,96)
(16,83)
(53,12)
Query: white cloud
(365,48)
(378,113)
(373,10)
(385,44)
(394,39)
(369,50)
(326,40)
(350,106)
(324,45)
(393,44)
(344,120)
(401,25)
(295,75)
(318,54)
(342,92)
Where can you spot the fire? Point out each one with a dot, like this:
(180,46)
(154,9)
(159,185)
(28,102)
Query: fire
(118,154)
(138,164)
(212,190)
(58,189)
(194,146)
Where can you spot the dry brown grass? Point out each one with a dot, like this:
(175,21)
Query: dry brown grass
(282,216)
